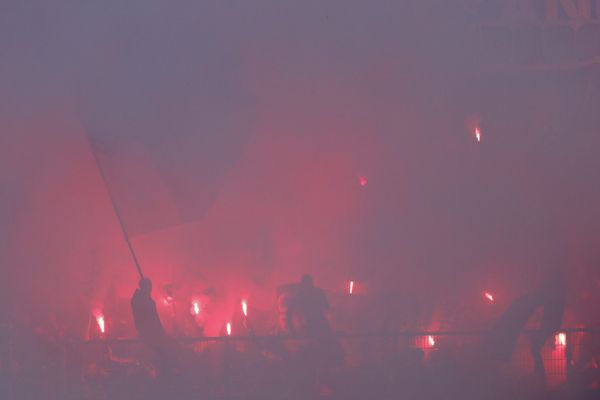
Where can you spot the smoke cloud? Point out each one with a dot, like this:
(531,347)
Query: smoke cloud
(237,133)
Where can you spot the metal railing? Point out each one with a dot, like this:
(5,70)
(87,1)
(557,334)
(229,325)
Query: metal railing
(271,366)
(227,360)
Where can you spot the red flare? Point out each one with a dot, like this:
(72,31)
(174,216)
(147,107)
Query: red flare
(245,308)
(477,135)
(351,289)
(229,329)
(100,322)
(489,296)
(560,339)
(195,308)
(430,341)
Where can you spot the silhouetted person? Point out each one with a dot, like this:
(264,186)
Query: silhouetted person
(147,322)
(145,316)
(550,297)
(552,293)
(505,333)
(309,306)
(285,294)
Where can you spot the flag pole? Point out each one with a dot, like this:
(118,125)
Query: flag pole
(116,210)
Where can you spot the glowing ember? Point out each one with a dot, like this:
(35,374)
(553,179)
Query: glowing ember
(430,341)
(195,308)
(245,308)
(229,329)
(351,290)
(100,322)
(489,296)
(560,339)
(362,181)
(477,135)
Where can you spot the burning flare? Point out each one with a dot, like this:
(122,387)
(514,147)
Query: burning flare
(351,289)
(560,339)
(245,308)
(430,341)
(100,322)
(195,308)
(477,135)
(229,329)
(489,296)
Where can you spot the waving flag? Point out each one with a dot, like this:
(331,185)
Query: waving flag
(158,181)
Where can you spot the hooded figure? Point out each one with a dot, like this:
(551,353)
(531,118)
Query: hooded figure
(149,327)
(145,316)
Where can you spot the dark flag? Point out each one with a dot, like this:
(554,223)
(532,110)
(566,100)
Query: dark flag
(161,181)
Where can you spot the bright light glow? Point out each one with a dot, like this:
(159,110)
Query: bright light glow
(430,341)
(489,296)
(362,180)
(351,290)
(245,308)
(477,135)
(195,308)
(229,329)
(100,322)
(560,339)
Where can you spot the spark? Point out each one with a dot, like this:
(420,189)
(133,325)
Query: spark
(229,329)
(351,290)
(245,308)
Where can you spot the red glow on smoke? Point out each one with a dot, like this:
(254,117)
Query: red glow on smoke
(362,180)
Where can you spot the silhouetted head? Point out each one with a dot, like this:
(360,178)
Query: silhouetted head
(145,285)
(306,280)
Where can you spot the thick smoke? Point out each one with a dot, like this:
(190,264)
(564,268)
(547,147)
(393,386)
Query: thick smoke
(260,117)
